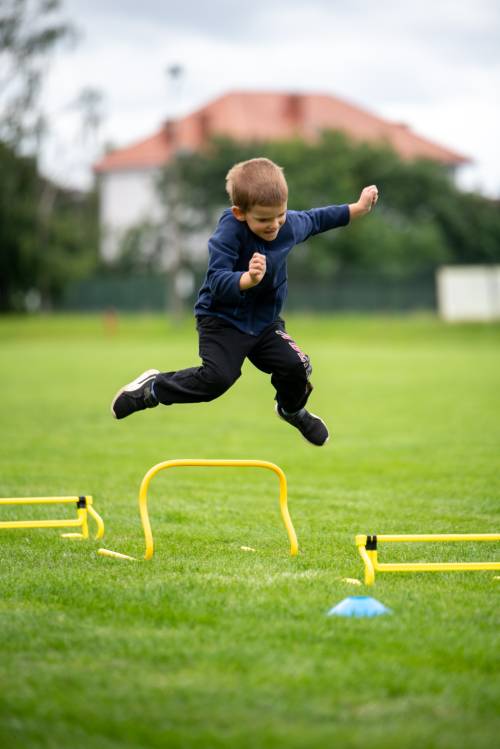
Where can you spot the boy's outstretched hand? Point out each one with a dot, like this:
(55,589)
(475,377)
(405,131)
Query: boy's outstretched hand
(366,201)
(255,273)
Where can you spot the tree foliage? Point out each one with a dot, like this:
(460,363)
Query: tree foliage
(29,32)
(422,219)
(48,235)
(41,247)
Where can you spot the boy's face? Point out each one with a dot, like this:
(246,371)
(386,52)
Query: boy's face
(265,221)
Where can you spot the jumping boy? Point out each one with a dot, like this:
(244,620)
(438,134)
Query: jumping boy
(239,304)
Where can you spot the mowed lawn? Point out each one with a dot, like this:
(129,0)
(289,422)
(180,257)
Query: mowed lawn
(208,645)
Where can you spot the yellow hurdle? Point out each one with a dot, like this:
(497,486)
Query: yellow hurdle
(188,462)
(367,547)
(84,508)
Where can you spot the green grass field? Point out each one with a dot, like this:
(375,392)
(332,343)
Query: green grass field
(211,646)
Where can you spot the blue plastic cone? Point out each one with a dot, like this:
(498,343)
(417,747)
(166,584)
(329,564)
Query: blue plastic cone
(359,606)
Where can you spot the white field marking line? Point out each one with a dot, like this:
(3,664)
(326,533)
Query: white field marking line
(251,581)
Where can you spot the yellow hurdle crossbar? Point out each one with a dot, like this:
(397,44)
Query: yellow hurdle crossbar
(368,550)
(195,462)
(84,507)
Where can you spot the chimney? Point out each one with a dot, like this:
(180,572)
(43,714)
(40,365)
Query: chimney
(170,132)
(294,109)
(203,120)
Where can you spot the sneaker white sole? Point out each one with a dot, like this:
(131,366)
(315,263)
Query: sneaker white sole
(305,440)
(133,386)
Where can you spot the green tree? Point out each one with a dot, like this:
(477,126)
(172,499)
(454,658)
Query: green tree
(40,252)
(29,32)
(48,235)
(422,220)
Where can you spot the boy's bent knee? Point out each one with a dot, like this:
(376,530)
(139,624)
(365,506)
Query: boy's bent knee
(297,370)
(217,383)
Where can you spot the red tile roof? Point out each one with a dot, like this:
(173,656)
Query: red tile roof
(248,116)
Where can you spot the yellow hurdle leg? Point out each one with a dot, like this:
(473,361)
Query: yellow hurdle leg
(98,520)
(367,559)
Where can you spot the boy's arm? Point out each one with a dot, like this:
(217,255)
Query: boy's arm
(366,201)
(306,224)
(317,220)
(222,278)
(223,254)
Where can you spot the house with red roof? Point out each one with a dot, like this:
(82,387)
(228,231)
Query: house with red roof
(126,175)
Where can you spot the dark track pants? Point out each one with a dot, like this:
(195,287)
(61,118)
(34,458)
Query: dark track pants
(223,349)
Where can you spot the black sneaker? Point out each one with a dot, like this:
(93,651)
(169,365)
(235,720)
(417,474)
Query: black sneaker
(310,426)
(136,396)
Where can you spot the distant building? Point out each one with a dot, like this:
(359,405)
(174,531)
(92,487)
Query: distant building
(469,293)
(127,175)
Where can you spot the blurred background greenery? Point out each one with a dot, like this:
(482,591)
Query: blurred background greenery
(49,235)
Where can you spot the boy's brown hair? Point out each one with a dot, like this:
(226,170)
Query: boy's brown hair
(256,182)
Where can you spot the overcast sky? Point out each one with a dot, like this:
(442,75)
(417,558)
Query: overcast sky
(434,64)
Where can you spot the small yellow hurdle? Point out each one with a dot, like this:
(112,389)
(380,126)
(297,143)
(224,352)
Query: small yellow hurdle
(367,547)
(84,508)
(188,462)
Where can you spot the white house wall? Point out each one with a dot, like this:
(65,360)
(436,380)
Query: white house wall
(127,198)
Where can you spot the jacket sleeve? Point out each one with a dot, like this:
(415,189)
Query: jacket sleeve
(223,255)
(317,220)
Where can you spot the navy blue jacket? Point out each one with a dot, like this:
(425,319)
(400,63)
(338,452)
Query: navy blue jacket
(230,248)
